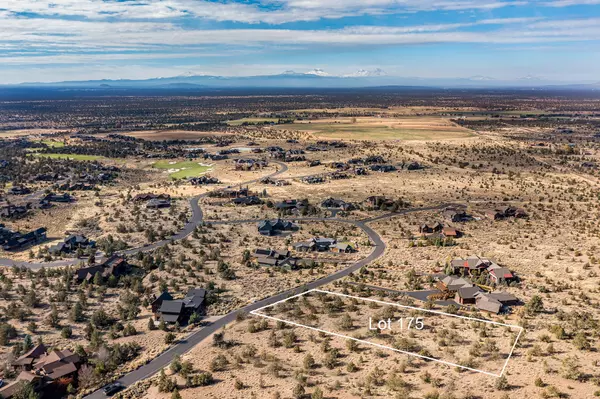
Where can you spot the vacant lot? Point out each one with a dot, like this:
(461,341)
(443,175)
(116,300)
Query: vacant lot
(374,128)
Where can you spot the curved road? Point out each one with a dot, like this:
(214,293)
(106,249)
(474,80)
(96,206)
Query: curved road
(195,338)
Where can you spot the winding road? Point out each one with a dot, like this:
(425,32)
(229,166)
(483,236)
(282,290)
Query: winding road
(186,344)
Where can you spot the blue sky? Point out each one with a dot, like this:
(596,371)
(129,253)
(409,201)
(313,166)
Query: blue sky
(57,40)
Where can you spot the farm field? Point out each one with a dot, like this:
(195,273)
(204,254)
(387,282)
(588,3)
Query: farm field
(182,170)
(373,128)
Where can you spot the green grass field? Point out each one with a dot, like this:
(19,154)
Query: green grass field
(53,144)
(76,157)
(183,170)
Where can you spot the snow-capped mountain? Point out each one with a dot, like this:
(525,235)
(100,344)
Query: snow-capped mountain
(317,72)
(363,73)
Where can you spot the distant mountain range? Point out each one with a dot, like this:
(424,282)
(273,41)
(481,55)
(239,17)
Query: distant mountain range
(317,78)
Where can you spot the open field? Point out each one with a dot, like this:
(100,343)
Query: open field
(182,170)
(160,135)
(371,128)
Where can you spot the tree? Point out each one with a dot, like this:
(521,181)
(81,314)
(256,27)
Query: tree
(151,325)
(535,305)
(581,342)
(176,394)
(27,343)
(309,362)
(66,332)
(76,313)
(169,338)
(298,391)
(317,394)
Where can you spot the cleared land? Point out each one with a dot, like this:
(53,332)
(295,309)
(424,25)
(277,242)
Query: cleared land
(373,128)
(182,170)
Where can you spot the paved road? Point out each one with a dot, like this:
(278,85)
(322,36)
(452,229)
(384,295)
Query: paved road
(195,338)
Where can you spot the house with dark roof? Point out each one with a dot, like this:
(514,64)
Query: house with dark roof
(467,295)
(156,203)
(71,244)
(158,300)
(203,180)
(179,311)
(332,203)
(171,311)
(11,240)
(114,266)
(247,201)
(494,302)
(276,226)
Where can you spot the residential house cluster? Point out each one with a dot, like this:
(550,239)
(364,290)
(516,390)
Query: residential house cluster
(179,310)
(19,190)
(273,258)
(466,293)
(271,181)
(383,168)
(276,226)
(14,240)
(370,160)
(437,230)
(505,212)
(42,369)
(475,266)
(324,244)
(250,164)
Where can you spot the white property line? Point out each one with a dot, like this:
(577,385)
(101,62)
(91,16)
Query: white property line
(256,312)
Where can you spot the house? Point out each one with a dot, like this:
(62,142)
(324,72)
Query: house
(246,201)
(114,266)
(431,228)
(343,247)
(499,274)
(42,369)
(148,196)
(156,203)
(11,241)
(471,264)
(494,302)
(466,295)
(25,361)
(505,212)
(452,284)
(250,164)
(171,311)
(379,202)
(313,179)
(339,176)
(277,226)
(203,180)
(383,168)
(332,203)
(313,163)
(455,215)
(13,211)
(271,258)
(414,166)
(450,232)
(71,244)
(59,197)
(158,300)
(194,301)
(19,190)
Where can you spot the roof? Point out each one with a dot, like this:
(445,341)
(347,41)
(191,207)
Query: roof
(501,272)
(468,292)
(170,318)
(502,297)
(194,298)
(171,307)
(485,302)
(164,296)
(63,370)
